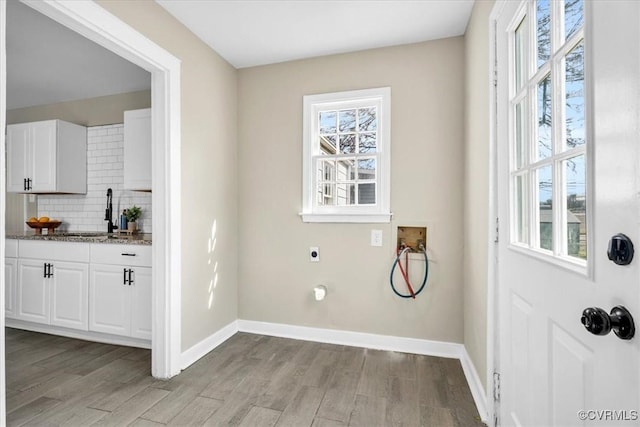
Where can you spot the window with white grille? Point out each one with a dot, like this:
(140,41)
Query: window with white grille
(346,156)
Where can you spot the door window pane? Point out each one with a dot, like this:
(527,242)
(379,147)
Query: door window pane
(520,136)
(544,118)
(573,16)
(574,97)
(519,53)
(576,207)
(545,201)
(521,229)
(543,30)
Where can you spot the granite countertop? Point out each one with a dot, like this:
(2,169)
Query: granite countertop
(85,237)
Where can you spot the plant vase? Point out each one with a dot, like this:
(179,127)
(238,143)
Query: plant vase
(132,227)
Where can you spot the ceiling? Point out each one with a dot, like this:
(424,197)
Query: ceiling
(257,32)
(48,63)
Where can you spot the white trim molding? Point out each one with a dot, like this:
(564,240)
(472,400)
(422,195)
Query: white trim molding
(378,342)
(199,350)
(98,25)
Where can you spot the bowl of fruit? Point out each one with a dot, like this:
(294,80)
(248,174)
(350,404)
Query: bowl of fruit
(43,222)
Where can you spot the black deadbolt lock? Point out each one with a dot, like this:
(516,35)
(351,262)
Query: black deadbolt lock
(620,249)
(598,322)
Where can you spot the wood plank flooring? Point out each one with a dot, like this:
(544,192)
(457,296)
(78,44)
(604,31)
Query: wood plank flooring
(250,380)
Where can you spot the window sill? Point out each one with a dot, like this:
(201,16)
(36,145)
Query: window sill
(346,218)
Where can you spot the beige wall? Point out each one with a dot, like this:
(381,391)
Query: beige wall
(427,136)
(209,176)
(103,110)
(476,185)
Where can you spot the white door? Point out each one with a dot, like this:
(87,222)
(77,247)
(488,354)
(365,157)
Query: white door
(141,302)
(69,294)
(32,291)
(109,300)
(18,168)
(43,155)
(568,167)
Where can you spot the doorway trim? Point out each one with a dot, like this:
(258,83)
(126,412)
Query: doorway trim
(98,25)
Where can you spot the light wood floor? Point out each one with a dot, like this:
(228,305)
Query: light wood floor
(250,380)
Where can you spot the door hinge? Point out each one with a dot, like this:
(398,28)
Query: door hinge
(497,239)
(496,387)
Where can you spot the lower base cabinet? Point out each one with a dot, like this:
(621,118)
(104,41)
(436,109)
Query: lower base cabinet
(120,300)
(10,281)
(52,293)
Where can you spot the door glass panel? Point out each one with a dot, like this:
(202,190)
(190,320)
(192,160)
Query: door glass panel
(576,207)
(519,137)
(545,201)
(521,230)
(573,16)
(543,30)
(519,53)
(544,118)
(574,97)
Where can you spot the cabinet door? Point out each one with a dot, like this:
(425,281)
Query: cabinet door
(141,302)
(109,300)
(17,154)
(69,295)
(137,149)
(10,278)
(32,292)
(43,156)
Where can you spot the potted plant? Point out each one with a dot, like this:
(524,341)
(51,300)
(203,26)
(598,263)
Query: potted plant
(132,214)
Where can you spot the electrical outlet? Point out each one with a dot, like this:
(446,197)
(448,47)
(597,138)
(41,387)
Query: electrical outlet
(376,237)
(314,254)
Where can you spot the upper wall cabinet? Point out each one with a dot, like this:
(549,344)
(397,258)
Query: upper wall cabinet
(47,157)
(137,150)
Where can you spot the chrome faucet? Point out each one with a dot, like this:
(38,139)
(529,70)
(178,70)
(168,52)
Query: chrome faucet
(108,213)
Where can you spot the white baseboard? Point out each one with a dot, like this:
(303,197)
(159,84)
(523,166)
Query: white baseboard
(194,353)
(379,342)
(475,385)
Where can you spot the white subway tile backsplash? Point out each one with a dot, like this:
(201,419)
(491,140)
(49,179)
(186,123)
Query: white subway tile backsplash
(105,160)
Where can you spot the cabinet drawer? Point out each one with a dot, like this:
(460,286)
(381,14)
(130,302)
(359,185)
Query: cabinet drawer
(11,248)
(54,251)
(129,255)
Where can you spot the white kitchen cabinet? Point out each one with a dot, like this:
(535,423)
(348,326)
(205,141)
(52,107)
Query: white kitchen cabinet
(137,150)
(10,279)
(47,157)
(53,283)
(53,293)
(120,290)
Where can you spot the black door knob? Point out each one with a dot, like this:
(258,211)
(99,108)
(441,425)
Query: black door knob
(599,322)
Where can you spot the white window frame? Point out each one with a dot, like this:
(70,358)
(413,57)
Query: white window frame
(312,106)
(526,95)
